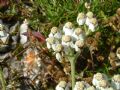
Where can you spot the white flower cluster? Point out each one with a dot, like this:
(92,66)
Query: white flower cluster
(62,85)
(87,19)
(100,82)
(71,38)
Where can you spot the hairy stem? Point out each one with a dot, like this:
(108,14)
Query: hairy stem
(73,73)
(72,62)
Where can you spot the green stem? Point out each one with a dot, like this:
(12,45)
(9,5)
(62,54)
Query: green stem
(2,79)
(72,62)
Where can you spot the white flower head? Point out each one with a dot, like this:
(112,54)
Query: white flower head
(58,48)
(50,40)
(89,16)
(66,38)
(54,30)
(67,42)
(93,21)
(78,34)
(116,78)
(61,85)
(93,24)
(118,53)
(81,18)
(116,81)
(103,84)
(78,31)
(96,78)
(69,25)
(68,28)
(79,86)
(91,88)
(55,33)
(79,43)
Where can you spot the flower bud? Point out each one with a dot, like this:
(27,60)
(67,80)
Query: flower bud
(87,5)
